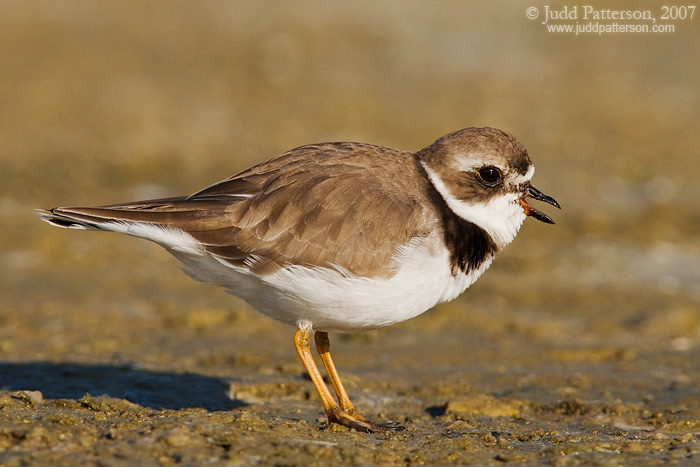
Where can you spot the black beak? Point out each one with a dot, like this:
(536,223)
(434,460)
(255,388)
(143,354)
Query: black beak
(539,196)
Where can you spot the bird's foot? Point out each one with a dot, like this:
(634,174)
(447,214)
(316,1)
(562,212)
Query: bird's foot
(354,420)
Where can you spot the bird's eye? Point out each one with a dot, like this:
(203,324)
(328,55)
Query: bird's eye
(489,175)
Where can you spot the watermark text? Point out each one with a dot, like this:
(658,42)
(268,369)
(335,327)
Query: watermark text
(587,19)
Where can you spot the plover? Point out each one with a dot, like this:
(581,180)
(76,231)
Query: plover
(342,236)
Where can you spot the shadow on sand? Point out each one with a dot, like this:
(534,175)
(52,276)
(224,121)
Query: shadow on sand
(157,390)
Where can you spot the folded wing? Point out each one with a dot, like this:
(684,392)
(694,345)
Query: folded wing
(324,205)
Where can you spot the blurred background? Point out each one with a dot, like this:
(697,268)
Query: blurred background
(103,102)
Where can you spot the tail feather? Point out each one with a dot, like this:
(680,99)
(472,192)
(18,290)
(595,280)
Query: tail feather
(173,222)
(165,227)
(174,212)
(70,220)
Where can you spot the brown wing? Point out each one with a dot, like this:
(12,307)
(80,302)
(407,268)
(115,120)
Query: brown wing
(344,204)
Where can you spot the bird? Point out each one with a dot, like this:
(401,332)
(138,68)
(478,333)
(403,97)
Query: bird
(342,236)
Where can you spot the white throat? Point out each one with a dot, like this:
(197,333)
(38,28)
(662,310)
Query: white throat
(501,217)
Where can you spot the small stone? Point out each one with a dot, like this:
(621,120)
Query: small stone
(482,404)
(30,397)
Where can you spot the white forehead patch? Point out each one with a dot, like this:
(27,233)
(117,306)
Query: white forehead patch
(525,178)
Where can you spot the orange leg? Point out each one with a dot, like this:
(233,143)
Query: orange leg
(323,346)
(345,413)
(301,342)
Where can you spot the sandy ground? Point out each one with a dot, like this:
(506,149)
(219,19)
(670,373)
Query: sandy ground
(581,345)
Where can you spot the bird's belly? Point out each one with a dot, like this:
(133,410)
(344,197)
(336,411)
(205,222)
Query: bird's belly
(331,300)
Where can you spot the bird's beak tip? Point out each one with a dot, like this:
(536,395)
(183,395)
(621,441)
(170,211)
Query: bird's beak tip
(538,195)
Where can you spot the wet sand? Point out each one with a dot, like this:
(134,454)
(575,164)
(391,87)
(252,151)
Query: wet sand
(580,346)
